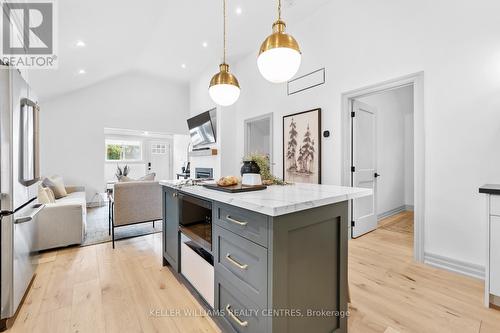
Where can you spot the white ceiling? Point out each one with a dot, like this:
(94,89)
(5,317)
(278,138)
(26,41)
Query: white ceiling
(155,36)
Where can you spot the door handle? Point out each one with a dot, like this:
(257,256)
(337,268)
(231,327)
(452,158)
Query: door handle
(6,212)
(376,175)
(23,220)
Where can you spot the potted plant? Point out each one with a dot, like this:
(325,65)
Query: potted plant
(122,172)
(259,163)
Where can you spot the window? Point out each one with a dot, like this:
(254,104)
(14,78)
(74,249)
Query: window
(158,148)
(121,150)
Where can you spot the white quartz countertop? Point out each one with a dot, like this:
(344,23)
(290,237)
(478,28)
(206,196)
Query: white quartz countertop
(277,200)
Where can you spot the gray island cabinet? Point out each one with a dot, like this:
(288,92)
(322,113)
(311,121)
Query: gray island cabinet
(279,255)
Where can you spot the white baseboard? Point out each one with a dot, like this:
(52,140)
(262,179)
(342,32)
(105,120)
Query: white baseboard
(454,265)
(391,212)
(409,208)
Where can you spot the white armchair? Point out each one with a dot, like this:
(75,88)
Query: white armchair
(135,202)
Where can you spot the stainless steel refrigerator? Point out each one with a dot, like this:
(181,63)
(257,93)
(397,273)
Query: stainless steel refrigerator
(19,175)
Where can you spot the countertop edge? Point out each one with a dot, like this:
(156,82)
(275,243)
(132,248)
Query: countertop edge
(490,189)
(276,211)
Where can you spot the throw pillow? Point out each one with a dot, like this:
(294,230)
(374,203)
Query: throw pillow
(149,177)
(56,184)
(50,194)
(42,195)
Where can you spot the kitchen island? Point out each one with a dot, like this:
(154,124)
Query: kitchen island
(265,261)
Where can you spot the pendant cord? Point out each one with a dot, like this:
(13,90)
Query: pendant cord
(224,25)
(279,10)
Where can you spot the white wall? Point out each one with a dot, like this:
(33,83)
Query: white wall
(72,126)
(394,147)
(364,42)
(200,102)
(181,143)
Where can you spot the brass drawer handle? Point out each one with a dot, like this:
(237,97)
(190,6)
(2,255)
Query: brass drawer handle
(234,262)
(239,322)
(242,223)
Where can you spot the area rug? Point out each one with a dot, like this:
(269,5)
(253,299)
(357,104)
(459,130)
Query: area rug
(97,227)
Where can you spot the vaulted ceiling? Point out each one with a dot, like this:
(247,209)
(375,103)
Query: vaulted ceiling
(161,37)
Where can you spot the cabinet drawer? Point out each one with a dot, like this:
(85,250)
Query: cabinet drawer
(495,205)
(247,224)
(198,272)
(243,263)
(238,310)
(495,255)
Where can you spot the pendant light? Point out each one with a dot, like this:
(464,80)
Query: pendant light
(279,56)
(224,87)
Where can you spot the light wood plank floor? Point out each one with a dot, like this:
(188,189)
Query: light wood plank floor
(391,292)
(97,289)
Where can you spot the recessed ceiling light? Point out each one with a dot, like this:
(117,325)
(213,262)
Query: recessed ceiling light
(82,71)
(80,43)
(183,66)
(239,10)
(146,133)
(204,44)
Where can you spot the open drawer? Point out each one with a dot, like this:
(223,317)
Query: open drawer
(197,269)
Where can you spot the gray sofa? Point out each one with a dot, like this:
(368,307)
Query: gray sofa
(63,223)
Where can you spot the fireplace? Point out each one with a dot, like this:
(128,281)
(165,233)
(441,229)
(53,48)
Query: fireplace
(205,173)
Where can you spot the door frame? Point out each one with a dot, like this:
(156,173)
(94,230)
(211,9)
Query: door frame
(417,81)
(271,134)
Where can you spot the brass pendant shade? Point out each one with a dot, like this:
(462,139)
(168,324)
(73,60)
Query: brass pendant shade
(279,39)
(279,55)
(224,87)
(224,77)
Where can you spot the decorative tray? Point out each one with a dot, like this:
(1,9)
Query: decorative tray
(235,188)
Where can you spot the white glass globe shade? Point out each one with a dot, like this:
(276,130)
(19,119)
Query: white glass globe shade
(224,94)
(279,64)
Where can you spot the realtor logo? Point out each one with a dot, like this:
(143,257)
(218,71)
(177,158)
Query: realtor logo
(28,34)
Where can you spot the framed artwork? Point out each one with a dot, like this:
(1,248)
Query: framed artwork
(302,147)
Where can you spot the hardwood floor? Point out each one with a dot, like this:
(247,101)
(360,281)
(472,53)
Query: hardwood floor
(391,292)
(97,289)
(402,222)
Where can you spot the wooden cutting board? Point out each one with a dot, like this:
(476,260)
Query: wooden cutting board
(235,188)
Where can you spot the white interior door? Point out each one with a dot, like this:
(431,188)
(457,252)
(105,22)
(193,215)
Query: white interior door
(364,163)
(160,159)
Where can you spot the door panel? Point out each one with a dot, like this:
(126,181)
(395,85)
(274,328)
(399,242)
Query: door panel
(25,258)
(171,227)
(364,160)
(160,159)
(21,193)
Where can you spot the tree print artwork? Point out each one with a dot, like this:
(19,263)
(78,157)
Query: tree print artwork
(292,146)
(306,155)
(302,161)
